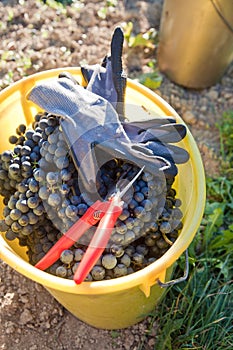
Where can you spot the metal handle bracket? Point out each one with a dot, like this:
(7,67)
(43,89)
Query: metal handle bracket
(178,280)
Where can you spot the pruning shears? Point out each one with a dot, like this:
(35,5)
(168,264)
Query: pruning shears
(104,212)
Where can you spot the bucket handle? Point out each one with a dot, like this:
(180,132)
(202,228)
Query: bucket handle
(178,280)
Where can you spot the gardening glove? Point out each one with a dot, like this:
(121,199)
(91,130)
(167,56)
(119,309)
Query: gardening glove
(157,134)
(109,80)
(90,121)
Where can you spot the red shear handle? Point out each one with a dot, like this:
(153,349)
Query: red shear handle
(98,242)
(72,235)
(65,242)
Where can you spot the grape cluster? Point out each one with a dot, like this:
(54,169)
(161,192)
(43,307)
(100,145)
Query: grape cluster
(40,188)
(58,182)
(24,211)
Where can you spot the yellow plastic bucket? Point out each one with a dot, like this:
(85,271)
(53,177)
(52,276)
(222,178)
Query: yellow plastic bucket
(124,301)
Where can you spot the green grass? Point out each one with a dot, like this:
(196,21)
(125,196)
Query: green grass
(197,314)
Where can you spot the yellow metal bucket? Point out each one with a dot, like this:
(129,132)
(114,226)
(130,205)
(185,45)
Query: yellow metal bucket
(124,301)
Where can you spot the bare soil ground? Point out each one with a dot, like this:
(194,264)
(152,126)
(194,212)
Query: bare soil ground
(30,318)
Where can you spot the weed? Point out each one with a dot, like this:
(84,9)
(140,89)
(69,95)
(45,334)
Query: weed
(53,4)
(226,134)
(218,231)
(147,41)
(152,80)
(59,6)
(108,7)
(10,15)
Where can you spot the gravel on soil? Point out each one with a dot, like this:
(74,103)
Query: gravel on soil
(36,37)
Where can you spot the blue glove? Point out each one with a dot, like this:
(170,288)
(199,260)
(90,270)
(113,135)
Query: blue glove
(94,125)
(109,80)
(89,121)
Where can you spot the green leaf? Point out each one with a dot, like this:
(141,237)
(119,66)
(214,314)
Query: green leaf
(224,268)
(171,326)
(127,27)
(115,334)
(56,5)
(224,240)
(102,12)
(215,219)
(151,80)
(225,127)
(10,15)
(147,39)
(136,41)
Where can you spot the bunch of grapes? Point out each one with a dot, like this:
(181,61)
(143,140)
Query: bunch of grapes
(40,188)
